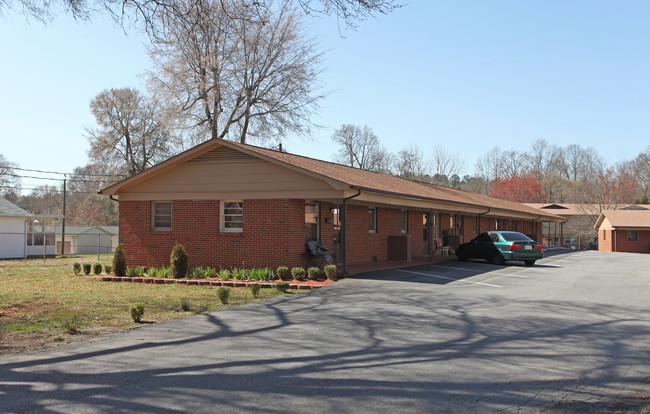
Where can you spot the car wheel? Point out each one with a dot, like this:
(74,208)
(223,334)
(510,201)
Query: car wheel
(529,262)
(498,259)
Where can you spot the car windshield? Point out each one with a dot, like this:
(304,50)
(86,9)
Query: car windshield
(514,236)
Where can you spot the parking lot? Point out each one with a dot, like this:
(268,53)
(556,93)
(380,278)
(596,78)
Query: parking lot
(569,334)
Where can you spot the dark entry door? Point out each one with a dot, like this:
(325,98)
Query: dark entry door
(425,233)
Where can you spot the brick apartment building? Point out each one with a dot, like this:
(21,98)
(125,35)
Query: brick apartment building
(624,231)
(235,205)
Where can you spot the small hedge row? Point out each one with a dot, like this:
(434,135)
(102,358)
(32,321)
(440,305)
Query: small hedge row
(179,268)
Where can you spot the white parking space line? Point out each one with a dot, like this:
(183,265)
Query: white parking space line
(458,268)
(448,278)
(481,271)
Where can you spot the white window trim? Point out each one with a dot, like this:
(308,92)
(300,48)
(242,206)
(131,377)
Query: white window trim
(222,221)
(153,216)
(404,230)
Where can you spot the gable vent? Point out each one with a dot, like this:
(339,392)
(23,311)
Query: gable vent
(221,154)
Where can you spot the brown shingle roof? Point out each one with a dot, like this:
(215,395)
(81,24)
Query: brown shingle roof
(384,183)
(626,218)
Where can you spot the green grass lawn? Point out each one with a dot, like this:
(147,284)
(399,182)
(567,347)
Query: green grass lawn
(43,303)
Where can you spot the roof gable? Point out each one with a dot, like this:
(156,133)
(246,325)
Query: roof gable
(8,209)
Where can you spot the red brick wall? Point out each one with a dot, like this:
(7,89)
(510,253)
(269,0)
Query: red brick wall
(621,244)
(273,234)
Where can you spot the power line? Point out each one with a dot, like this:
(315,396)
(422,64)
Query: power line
(62,179)
(64,173)
(49,190)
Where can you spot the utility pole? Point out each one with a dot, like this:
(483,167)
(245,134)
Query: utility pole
(63,224)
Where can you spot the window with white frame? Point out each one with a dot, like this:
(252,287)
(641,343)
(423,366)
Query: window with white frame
(162,215)
(372,220)
(232,216)
(405,221)
(632,236)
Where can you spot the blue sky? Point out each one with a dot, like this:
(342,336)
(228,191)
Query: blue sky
(467,75)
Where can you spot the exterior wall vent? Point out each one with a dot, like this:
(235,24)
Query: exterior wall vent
(221,154)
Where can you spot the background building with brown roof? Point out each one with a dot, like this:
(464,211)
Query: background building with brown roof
(624,231)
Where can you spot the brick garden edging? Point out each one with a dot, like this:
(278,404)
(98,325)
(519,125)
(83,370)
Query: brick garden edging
(195,282)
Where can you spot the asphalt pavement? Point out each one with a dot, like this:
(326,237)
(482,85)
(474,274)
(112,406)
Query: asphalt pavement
(454,337)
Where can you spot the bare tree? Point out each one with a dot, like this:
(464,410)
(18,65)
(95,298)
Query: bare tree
(446,164)
(144,13)
(131,134)
(9,181)
(359,147)
(640,169)
(514,164)
(410,163)
(253,77)
(488,168)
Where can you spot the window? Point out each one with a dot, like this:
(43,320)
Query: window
(311,221)
(162,215)
(372,220)
(632,236)
(40,233)
(232,216)
(405,221)
(474,224)
(604,234)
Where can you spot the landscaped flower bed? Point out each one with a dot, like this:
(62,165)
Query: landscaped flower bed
(179,273)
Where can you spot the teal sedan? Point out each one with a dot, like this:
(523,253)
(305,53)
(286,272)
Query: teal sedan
(499,247)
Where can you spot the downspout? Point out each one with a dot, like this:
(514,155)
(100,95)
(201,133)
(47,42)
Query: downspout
(114,199)
(344,224)
(479,219)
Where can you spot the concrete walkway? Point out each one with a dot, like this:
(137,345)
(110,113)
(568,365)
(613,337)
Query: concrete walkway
(452,337)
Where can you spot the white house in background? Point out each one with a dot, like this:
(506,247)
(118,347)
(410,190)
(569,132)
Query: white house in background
(23,234)
(88,239)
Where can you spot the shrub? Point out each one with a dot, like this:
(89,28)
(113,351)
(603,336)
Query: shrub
(313,273)
(186,305)
(97,269)
(76,268)
(330,271)
(87,268)
(255,274)
(119,261)
(224,274)
(282,287)
(108,269)
(209,272)
(196,273)
(162,272)
(283,273)
(238,274)
(132,272)
(255,289)
(223,293)
(178,261)
(137,311)
(298,272)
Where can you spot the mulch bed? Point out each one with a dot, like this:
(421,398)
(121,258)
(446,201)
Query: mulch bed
(306,284)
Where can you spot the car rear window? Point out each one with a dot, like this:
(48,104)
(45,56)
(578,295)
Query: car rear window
(514,236)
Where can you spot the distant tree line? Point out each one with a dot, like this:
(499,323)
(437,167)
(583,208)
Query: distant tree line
(544,174)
